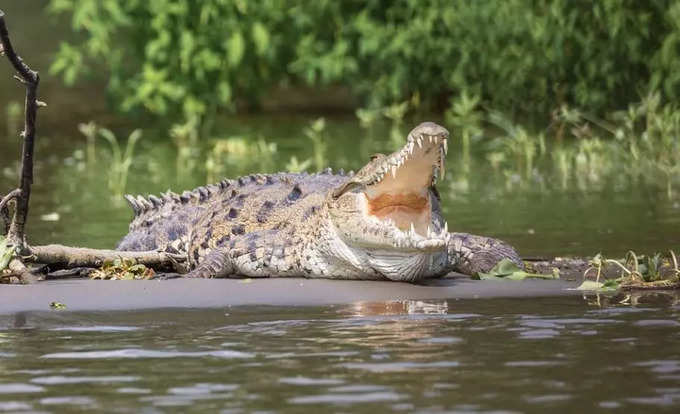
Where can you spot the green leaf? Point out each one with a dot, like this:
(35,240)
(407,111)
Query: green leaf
(57,306)
(591,285)
(508,270)
(6,253)
(235,48)
(260,37)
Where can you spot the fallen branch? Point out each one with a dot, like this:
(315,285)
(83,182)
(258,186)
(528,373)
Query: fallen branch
(69,257)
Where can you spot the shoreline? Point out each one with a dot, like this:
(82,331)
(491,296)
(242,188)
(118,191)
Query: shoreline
(95,295)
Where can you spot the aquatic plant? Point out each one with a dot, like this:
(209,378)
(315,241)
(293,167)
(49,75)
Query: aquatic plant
(465,118)
(656,271)
(238,153)
(294,165)
(121,160)
(185,137)
(396,113)
(315,133)
(517,143)
(638,146)
(90,130)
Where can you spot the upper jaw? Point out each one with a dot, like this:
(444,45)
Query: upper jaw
(427,140)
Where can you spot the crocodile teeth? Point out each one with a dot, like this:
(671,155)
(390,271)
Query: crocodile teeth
(412,231)
(420,142)
(446,146)
(446,227)
(443,164)
(394,172)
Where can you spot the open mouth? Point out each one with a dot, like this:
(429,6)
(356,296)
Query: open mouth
(400,193)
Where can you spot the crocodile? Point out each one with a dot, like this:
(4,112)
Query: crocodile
(383,222)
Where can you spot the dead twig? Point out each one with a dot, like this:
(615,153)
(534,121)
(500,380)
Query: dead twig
(4,212)
(9,197)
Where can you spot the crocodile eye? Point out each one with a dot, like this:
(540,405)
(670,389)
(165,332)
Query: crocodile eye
(376,156)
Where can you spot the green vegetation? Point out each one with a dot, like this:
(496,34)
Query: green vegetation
(484,65)
(121,159)
(6,253)
(193,59)
(248,154)
(123,269)
(637,146)
(507,270)
(656,271)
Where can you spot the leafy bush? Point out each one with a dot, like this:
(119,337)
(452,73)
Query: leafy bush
(193,58)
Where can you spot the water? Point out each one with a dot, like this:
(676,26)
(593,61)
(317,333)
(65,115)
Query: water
(565,354)
(503,355)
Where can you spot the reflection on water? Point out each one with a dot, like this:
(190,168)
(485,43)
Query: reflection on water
(511,355)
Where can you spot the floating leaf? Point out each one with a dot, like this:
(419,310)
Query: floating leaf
(506,269)
(591,285)
(57,306)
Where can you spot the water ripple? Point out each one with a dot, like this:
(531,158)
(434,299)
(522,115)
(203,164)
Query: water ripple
(96,328)
(657,322)
(70,400)
(346,398)
(310,381)
(59,379)
(19,388)
(146,353)
(399,366)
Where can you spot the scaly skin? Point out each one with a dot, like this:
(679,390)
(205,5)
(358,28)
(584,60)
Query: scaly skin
(320,225)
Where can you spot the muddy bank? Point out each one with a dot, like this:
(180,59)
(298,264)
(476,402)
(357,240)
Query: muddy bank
(191,293)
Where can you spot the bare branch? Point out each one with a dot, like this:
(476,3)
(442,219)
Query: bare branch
(24,71)
(6,199)
(31,80)
(4,212)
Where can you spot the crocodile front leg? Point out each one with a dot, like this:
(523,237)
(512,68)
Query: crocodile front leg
(256,254)
(470,254)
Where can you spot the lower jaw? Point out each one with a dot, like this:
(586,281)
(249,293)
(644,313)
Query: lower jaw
(400,265)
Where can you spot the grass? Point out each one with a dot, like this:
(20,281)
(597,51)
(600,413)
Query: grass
(121,159)
(630,150)
(639,146)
